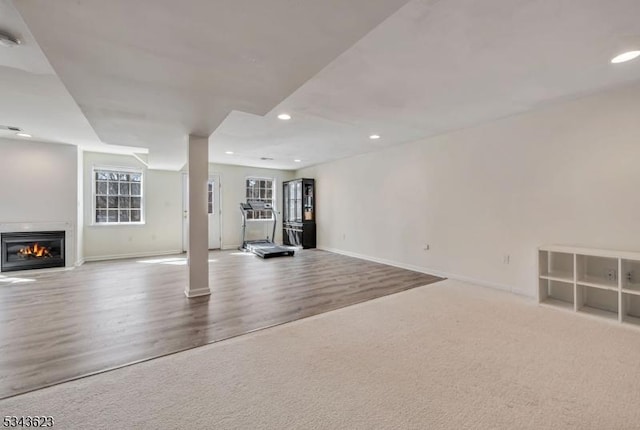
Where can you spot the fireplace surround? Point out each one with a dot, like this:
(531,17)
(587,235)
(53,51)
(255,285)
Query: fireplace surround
(32,250)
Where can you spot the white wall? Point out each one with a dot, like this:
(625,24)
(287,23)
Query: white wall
(39,185)
(232,179)
(162,231)
(80,205)
(567,174)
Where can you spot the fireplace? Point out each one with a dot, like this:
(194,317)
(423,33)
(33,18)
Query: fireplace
(32,250)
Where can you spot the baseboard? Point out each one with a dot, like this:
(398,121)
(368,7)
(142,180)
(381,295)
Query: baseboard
(425,270)
(80,262)
(199,292)
(526,294)
(132,255)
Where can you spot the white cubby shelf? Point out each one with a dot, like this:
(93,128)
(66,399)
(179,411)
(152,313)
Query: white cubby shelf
(595,282)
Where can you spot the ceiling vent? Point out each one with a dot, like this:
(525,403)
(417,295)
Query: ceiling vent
(10,128)
(266,158)
(8,41)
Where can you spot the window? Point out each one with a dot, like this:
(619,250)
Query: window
(210,196)
(260,189)
(117,196)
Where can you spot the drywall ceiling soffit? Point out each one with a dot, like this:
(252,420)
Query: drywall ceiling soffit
(149,72)
(438,66)
(32,96)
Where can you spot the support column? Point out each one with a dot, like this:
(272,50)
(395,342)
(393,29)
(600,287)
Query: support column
(198,252)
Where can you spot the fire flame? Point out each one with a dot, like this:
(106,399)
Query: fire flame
(35,251)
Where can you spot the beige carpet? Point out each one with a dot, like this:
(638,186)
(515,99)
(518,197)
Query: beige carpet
(448,355)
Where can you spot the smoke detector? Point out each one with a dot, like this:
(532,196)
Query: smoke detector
(8,41)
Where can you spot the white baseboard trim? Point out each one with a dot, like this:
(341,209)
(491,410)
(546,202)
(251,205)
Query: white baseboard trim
(385,261)
(425,270)
(80,262)
(198,292)
(132,255)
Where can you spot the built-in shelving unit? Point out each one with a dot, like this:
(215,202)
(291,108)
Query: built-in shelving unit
(591,281)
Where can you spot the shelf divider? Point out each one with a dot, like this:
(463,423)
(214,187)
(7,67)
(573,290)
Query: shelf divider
(560,277)
(602,286)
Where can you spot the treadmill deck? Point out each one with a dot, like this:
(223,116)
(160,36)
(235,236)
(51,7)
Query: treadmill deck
(269,250)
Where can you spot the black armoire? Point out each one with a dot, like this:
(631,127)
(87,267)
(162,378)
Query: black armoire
(299,213)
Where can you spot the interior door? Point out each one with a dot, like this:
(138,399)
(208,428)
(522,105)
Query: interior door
(185,212)
(213,207)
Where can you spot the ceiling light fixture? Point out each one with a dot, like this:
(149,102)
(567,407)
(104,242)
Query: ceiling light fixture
(229,152)
(284,116)
(8,41)
(625,56)
(23,134)
(374,137)
(297,161)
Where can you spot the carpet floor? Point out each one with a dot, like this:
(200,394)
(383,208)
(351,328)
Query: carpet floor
(445,356)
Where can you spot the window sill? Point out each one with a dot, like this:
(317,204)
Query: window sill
(117,224)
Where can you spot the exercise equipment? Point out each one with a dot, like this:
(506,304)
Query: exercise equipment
(264,248)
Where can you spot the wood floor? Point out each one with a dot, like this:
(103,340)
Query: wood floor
(60,326)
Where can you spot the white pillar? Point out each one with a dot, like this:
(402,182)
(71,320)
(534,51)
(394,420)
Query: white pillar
(198,252)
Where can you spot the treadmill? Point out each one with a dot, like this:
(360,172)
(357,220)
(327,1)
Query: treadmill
(264,248)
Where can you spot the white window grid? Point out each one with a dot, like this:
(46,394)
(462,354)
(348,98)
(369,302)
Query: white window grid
(260,189)
(118,196)
(210,204)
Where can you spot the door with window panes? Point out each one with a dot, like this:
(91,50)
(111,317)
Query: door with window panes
(213,210)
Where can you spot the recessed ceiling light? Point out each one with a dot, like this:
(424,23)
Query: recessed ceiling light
(23,134)
(297,161)
(284,116)
(229,152)
(8,41)
(374,137)
(626,56)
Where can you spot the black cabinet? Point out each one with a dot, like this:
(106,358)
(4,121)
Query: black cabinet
(299,213)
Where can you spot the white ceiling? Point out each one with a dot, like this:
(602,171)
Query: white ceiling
(32,96)
(150,72)
(147,73)
(438,66)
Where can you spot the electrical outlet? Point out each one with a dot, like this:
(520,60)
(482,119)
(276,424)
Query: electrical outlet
(506,259)
(630,276)
(426,247)
(612,275)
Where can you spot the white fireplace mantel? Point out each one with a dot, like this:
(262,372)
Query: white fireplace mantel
(17,227)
